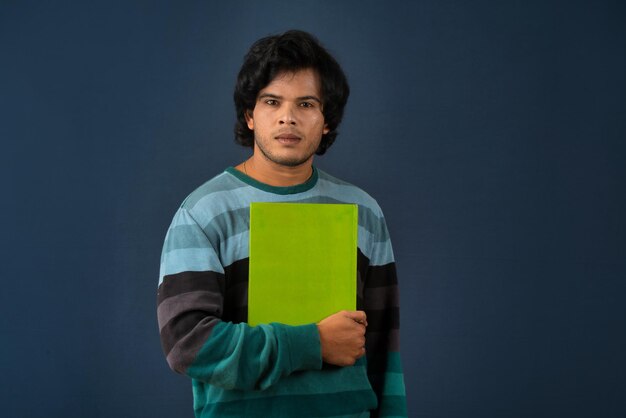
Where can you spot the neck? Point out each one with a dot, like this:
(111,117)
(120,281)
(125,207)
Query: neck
(274,174)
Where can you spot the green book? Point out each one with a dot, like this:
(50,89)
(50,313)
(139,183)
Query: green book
(302,261)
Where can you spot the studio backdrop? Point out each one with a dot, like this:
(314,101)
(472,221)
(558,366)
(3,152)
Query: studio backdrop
(492,134)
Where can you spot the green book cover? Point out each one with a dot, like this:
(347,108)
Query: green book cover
(302,261)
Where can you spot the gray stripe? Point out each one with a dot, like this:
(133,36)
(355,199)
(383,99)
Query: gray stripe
(379,298)
(200,300)
(182,355)
(392,337)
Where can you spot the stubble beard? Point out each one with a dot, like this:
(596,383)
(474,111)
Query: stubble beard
(284,161)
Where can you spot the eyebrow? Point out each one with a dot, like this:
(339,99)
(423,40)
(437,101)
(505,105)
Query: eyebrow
(274,96)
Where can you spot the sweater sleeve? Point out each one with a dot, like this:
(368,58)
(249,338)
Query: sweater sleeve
(381,304)
(195,339)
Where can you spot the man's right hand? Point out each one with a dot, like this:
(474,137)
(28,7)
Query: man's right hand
(342,337)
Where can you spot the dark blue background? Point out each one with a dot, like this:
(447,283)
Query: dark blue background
(491,133)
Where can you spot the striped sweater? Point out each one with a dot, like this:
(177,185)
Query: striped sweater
(272,370)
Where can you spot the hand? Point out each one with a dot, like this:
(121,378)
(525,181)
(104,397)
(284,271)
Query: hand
(342,337)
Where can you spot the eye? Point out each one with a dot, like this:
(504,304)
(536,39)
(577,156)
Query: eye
(306,104)
(271,102)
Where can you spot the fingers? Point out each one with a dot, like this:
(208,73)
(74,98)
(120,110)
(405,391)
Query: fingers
(360,352)
(342,337)
(356,316)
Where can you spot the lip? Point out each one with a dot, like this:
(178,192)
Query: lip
(289,137)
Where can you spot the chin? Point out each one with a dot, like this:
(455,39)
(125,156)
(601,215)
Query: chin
(291,162)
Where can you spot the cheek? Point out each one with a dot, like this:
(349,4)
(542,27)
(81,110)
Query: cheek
(319,121)
(325,129)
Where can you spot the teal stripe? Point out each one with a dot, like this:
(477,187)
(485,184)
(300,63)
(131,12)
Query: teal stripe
(215,204)
(215,371)
(365,414)
(394,362)
(185,236)
(190,259)
(394,384)
(199,395)
(311,382)
(327,177)
(373,239)
(367,218)
(374,224)
(378,253)
(381,254)
(221,182)
(235,248)
(350,193)
(212,205)
(210,199)
(227,224)
(299,188)
(236,224)
(349,404)
(182,218)
(393,406)
(186,242)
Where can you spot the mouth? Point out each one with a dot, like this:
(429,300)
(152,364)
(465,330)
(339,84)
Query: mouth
(287,139)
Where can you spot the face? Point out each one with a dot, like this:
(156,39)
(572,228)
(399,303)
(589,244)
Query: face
(287,119)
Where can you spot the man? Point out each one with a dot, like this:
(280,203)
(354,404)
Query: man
(289,96)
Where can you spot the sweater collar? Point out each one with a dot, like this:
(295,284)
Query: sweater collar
(298,188)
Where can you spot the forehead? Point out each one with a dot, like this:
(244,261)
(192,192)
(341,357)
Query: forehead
(306,81)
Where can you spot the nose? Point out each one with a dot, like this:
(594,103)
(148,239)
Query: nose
(287,116)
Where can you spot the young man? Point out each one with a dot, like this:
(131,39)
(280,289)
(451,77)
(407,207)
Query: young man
(290,95)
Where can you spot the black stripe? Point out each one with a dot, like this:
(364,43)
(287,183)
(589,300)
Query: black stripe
(376,348)
(381,297)
(383,320)
(376,381)
(380,276)
(362,263)
(189,281)
(237,272)
(208,302)
(236,295)
(378,339)
(190,323)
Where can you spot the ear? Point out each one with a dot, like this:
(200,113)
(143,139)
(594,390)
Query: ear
(325,130)
(249,120)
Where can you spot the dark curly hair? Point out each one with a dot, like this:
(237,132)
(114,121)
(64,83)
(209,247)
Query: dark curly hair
(289,52)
